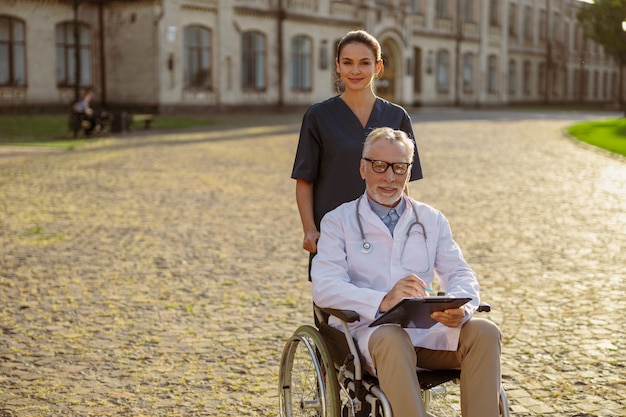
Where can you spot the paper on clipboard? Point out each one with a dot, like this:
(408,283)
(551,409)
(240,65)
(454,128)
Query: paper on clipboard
(415,312)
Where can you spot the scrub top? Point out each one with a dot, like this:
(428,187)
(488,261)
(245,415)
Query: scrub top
(330,147)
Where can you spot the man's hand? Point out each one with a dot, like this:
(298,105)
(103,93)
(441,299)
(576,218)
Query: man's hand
(450,318)
(408,287)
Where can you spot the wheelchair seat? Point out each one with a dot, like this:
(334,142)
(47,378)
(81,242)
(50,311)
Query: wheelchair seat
(320,374)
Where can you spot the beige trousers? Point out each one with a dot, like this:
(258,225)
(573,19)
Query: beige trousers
(478,357)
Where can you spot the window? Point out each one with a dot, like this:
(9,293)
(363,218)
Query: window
(528,23)
(197,57)
(577,38)
(416,6)
(12,52)
(442,9)
(443,68)
(526,79)
(492,74)
(468,10)
(301,57)
(494,13)
(512,77)
(541,79)
(253,61)
(468,72)
(66,54)
(565,83)
(324,55)
(614,90)
(512,19)
(417,70)
(542,25)
(555,24)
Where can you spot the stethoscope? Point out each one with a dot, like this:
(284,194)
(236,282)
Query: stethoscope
(366,247)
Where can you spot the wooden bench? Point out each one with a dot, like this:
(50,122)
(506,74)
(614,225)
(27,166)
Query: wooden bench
(78,123)
(146,118)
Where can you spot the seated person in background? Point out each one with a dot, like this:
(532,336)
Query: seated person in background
(83,109)
(372,253)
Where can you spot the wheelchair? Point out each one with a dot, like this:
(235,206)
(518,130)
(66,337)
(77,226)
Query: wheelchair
(320,375)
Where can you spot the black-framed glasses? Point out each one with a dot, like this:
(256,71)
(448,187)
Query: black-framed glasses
(399,168)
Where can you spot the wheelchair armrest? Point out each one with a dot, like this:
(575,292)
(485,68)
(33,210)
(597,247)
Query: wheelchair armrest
(349,316)
(484,307)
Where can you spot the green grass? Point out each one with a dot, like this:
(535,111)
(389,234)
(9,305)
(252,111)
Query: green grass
(53,130)
(608,134)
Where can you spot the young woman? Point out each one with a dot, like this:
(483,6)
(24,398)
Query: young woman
(333,131)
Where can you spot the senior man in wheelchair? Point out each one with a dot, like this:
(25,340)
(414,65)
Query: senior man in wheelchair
(386,246)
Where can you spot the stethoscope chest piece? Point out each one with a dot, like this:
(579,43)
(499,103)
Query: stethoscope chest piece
(366,247)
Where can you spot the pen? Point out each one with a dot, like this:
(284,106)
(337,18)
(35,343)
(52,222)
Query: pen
(430,290)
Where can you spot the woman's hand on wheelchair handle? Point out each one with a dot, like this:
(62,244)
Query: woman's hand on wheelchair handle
(310,240)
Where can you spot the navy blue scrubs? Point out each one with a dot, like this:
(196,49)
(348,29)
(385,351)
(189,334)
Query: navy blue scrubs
(330,147)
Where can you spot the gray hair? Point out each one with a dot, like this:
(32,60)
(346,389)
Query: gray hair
(391,135)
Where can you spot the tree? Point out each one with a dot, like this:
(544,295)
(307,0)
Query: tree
(602,22)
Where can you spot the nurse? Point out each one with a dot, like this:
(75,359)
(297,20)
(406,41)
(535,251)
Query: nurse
(333,131)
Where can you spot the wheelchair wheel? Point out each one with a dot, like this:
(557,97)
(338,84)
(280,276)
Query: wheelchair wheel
(307,380)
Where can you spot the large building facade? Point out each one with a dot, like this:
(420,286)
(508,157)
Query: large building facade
(174,55)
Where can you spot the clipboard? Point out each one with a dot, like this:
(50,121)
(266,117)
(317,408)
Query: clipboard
(415,312)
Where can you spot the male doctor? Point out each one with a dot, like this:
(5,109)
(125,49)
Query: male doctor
(385,246)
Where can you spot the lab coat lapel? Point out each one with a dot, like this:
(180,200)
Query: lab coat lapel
(370,220)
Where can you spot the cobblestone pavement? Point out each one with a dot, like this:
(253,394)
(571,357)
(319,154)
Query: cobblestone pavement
(160,275)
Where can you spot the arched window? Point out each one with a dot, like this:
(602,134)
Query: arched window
(468,72)
(301,63)
(443,69)
(12,52)
(253,61)
(197,57)
(492,64)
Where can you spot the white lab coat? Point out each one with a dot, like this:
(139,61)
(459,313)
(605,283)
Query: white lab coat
(345,278)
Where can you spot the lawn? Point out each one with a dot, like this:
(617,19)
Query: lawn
(609,134)
(53,130)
